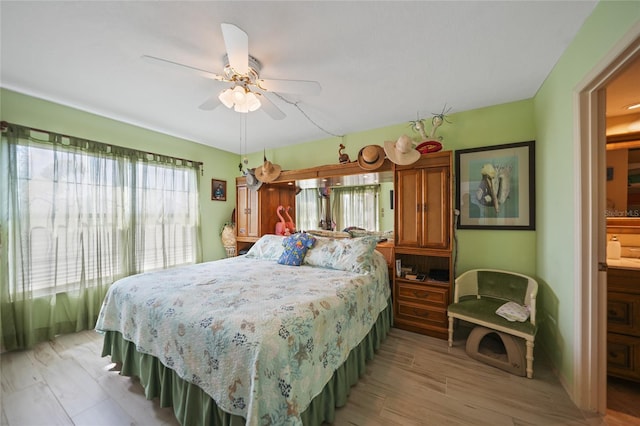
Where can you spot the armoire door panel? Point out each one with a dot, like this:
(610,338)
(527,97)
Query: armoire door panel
(408,226)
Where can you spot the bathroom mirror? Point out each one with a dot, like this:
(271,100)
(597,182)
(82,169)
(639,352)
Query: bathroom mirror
(623,177)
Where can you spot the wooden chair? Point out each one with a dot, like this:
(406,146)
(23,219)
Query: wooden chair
(479,293)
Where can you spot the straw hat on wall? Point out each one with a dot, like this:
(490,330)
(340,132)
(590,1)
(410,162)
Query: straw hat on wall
(252,180)
(371,157)
(268,172)
(401,151)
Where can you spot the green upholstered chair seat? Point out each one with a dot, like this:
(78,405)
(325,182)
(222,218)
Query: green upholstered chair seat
(485,310)
(478,294)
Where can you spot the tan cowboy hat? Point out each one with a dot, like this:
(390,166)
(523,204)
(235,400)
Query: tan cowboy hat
(371,157)
(252,180)
(401,151)
(268,172)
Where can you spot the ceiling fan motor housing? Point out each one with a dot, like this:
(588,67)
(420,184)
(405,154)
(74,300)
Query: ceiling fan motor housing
(252,75)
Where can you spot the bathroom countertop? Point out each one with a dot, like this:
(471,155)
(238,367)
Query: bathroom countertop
(624,263)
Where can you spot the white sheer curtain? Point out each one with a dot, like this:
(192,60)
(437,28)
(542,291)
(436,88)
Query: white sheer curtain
(308,209)
(356,206)
(76,215)
(166,215)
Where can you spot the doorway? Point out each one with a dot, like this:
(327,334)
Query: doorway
(623,206)
(590,373)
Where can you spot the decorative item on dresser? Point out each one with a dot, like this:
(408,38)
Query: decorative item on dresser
(423,228)
(228,237)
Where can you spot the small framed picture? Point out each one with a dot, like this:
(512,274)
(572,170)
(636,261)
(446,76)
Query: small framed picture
(218,190)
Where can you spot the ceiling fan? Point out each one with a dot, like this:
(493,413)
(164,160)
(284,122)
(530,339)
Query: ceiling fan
(246,91)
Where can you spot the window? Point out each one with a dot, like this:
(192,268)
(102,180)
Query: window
(75,216)
(93,217)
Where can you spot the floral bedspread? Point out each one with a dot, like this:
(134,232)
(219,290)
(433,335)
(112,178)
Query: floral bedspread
(261,339)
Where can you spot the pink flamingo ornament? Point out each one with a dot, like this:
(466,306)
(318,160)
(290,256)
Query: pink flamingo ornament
(281,227)
(290,224)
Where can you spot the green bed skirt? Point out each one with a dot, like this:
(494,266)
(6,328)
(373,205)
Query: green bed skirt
(192,406)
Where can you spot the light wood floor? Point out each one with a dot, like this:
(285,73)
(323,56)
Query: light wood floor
(414,380)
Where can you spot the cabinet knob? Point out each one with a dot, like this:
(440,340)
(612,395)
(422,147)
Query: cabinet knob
(420,313)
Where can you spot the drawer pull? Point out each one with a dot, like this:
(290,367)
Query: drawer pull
(418,313)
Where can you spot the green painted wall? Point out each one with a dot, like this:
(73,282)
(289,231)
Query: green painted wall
(32,112)
(557,177)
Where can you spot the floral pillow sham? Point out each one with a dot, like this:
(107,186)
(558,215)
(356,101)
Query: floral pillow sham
(269,247)
(346,254)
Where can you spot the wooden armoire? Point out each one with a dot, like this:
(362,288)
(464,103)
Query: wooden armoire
(422,288)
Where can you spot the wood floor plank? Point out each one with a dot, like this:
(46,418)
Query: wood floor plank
(73,387)
(34,406)
(104,413)
(440,409)
(129,394)
(18,371)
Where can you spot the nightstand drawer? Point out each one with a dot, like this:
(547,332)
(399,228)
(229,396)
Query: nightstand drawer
(423,294)
(423,314)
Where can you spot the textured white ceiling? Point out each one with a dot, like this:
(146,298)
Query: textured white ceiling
(379,63)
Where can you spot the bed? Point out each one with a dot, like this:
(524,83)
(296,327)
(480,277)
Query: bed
(246,340)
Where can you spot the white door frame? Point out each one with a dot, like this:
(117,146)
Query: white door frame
(590,354)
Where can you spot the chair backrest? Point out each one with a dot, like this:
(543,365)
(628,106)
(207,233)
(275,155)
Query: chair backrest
(502,285)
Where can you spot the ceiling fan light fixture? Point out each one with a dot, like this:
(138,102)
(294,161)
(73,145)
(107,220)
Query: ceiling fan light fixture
(241,108)
(239,95)
(253,103)
(240,98)
(226,97)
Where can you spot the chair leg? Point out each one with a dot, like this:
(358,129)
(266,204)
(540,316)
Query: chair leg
(451,331)
(529,359)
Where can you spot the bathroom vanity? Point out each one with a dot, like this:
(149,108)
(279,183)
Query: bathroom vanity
(623,319)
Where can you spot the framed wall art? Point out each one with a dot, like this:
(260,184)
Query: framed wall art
(495,187)
(218,190)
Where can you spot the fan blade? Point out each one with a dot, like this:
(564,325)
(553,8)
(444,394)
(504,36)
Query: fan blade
(237,44)
(175,65)
(211,103)
(294,87)
(271,108)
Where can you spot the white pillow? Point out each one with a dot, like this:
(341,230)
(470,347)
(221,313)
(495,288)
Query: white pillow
(511,311)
